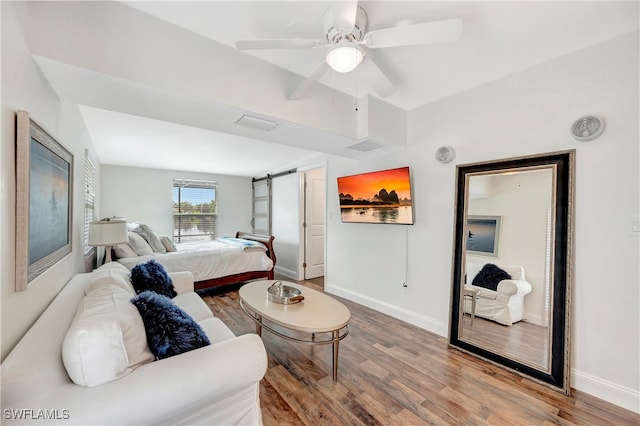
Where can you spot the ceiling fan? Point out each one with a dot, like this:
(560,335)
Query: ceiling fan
(347,43)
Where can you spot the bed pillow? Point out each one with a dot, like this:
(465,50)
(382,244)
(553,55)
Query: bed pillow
(168,244)
(106,339)
(151,238)
(139,244)
(152,276)
(124,250)
(490,276)
(170,330)
(132,226)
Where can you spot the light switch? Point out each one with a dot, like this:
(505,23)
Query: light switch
(635,226)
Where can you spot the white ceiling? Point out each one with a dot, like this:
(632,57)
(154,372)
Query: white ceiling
(498,39)
(138,138)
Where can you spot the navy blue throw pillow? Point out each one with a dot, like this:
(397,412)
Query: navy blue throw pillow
(170,330)
(490,276)
(152,276)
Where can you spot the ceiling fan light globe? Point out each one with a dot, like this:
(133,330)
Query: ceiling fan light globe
(344,57)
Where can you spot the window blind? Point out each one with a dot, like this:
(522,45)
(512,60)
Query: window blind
(89,198)
(194,210)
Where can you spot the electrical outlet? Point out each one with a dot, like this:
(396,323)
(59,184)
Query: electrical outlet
(405,287)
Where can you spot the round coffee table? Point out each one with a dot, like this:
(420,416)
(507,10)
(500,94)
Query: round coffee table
(316,314)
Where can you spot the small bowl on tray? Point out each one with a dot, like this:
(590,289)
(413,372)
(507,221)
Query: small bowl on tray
(284,294)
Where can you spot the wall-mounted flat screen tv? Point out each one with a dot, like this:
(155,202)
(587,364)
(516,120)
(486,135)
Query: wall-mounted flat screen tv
(377,197)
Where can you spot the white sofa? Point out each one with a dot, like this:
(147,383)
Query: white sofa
(215,384)
(506,304)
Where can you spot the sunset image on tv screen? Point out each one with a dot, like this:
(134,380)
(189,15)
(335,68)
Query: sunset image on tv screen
(377,197)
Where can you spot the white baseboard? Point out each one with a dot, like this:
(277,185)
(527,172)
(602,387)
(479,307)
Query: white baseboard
(533,318)
(606,390)
(293,275)
(402,314)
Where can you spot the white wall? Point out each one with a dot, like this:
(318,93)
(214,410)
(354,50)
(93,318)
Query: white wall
(145,195)
(527,113)
(24,88)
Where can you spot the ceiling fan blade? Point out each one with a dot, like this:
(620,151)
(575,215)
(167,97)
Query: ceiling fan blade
(306,84)
(370,71)
(344,14)
(287,43)
(408,35)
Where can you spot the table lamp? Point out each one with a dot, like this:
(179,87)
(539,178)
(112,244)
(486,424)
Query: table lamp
(108,232)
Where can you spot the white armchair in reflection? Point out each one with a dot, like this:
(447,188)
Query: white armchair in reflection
(505,305)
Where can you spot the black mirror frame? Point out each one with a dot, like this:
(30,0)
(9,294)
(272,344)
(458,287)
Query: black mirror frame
(558,376)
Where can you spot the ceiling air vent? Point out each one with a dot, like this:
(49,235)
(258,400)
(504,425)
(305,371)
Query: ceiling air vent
(365,146)
(256,122)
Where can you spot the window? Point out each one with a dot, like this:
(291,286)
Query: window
(89,198)
(194,210)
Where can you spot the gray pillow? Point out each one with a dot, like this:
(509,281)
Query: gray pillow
(168,244)
(124,250)
(151,237)
(139,244)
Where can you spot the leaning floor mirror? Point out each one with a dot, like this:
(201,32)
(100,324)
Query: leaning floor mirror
(511,275)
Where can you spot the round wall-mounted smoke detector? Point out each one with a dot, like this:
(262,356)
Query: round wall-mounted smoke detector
(587,128)
(445,154)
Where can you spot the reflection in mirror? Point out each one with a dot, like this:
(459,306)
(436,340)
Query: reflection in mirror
(511,269)
(522,249)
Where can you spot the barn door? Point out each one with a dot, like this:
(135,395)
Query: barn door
(261,214)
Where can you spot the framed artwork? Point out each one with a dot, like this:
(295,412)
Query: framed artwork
(382,196)
(44,200)
(483,235)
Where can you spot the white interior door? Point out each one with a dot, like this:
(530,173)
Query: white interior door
(314,222)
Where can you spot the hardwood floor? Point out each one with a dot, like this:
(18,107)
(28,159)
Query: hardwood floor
(392,373)
(528,343)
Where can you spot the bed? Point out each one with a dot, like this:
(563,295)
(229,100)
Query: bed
(213,263)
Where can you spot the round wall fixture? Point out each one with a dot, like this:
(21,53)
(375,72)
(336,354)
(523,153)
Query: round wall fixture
(445,154)
(587,128)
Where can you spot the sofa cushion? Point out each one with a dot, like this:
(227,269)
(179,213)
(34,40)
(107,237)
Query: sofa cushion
(216,330)
(170,330)
(139,244)
(106,276)
(193,304)
(152,276)
(490,276)
(112,265)
(106,339)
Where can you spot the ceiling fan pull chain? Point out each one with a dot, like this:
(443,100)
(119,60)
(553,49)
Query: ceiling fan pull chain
(357,93)
(333,84)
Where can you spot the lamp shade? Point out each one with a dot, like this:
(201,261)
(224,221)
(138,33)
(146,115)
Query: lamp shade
(107,232)
(344,56)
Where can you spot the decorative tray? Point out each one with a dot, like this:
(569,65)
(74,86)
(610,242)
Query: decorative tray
(284,294)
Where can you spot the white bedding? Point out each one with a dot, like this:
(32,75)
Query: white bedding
(208,260)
